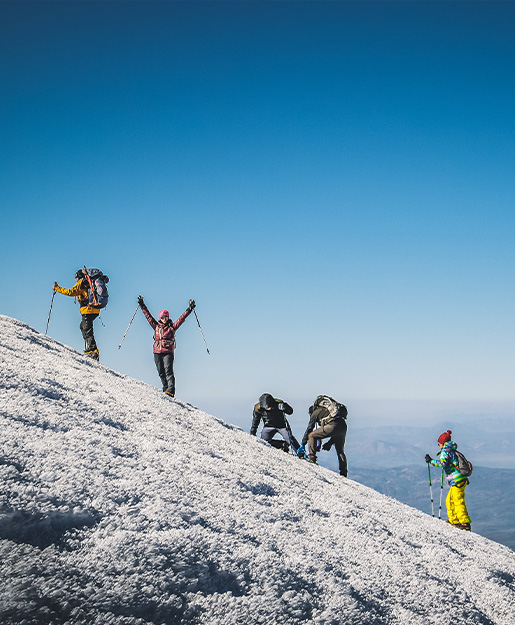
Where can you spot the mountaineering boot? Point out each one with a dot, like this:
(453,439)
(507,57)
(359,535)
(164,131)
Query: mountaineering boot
(464,526)
(170,394)
(92,354)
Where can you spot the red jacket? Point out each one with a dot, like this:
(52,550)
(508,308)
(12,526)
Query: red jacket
(164,333)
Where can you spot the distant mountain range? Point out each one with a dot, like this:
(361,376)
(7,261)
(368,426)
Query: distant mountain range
(486,442)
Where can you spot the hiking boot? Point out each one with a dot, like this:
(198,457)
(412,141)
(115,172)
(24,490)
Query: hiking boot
(170,394)
(93,354)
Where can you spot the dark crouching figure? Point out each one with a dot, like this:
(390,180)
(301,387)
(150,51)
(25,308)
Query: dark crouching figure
(164,342)
(331,416)
(273,412)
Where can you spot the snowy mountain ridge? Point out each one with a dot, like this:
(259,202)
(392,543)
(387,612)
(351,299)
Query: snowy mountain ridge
(122,506)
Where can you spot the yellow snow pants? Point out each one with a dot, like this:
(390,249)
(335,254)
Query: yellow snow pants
(456,508)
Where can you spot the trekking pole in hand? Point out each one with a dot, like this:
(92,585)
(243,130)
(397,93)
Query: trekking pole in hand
(50,311)
(196,317)
(441,493)
(431,490)
(128,327)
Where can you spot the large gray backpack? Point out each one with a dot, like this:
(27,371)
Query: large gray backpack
(464,466)
(336,410)
(98,295)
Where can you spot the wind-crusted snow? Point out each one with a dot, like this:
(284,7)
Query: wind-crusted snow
(120,505)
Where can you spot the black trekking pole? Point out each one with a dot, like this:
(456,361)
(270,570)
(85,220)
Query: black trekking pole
(293,441)
(196,317)
(441,494)
(431,490)
(128,327)
(50,311)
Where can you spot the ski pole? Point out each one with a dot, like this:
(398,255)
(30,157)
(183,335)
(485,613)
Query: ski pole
(441,493)
(50,311)
(431,490)
(128,327)
(196,317)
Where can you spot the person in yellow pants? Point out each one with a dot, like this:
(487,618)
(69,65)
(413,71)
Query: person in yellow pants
(456,508)
(457,512)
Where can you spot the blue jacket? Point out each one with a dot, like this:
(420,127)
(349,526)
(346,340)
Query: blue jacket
(449,462)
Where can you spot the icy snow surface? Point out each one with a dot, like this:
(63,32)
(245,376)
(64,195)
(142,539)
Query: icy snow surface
(120,505)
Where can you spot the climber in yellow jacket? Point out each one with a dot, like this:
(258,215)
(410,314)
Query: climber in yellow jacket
(87,310)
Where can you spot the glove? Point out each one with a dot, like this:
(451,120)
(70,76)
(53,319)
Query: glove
(301,451)
(140,301)
(327,446)
(192,304)
(55,285)
(428,458)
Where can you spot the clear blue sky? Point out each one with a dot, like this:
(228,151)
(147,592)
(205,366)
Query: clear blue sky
(333,183)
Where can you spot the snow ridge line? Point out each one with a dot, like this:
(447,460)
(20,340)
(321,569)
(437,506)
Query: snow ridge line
(122,506)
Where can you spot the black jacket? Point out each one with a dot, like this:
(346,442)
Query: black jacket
(272,418)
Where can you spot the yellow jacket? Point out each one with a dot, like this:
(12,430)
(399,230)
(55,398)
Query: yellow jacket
(80,291)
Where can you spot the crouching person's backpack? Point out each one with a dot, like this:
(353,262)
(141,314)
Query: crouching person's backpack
(336,410)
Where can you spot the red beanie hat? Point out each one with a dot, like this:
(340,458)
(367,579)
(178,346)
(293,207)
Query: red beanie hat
(445,437)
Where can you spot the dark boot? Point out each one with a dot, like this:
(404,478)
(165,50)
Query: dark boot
(94,355)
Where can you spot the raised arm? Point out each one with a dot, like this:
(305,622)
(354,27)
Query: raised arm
(177,324)
(146,312)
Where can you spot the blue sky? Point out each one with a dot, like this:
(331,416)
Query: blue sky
(332,182)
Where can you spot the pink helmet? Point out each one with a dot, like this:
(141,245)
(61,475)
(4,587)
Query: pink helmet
(163,313)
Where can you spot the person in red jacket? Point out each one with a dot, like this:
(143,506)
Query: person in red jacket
(164,342)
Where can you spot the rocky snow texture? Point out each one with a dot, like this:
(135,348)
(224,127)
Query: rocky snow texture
(119,505)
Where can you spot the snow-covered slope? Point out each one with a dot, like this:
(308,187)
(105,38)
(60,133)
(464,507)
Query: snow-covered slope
(120,505)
